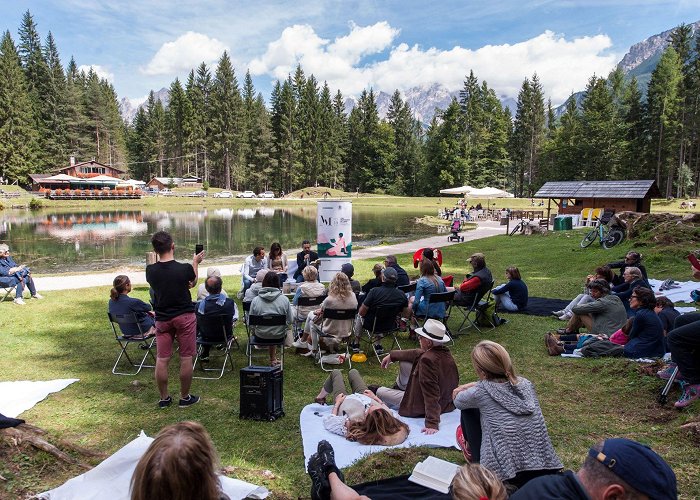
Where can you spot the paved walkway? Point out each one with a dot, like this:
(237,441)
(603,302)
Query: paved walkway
(71,282)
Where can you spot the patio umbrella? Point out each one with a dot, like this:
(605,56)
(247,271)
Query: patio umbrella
(61,178)
(458,190)
(489,192)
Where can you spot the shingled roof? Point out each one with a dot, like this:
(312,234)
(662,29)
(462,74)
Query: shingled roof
(599,189)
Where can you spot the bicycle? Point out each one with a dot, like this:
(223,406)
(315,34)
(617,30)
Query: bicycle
(519,227)
(611,233)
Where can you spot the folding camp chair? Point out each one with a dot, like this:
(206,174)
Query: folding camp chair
(663,395)
(476,310)
(214,330)
(340,314)
(299,321)
(256,342)
(410,288)
(7,290)
(146,344)
(434,298)
(384,325)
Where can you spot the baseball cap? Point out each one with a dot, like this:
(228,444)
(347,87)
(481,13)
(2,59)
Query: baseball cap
(347,269)
(639,466)
(390,274)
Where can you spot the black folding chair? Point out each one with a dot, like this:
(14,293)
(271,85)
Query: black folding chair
(214,330)
(339,314)
(435,298)
(300,320)
(411,287)
(254,341)
(145,344)
(384,325)
(477,309)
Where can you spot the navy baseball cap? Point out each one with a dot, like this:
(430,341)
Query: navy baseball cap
(390,274)
(639,466)
(347,269)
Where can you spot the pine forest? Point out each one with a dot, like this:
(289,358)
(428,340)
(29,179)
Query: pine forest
(218,127)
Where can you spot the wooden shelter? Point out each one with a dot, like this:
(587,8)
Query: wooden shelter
(571,197)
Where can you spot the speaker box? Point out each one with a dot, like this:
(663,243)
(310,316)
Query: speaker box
(261,393)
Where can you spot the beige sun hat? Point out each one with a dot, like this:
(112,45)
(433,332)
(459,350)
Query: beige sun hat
(434,331)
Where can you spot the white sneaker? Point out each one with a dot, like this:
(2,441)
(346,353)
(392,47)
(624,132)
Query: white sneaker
(19,301)
(37,296)
(566,316)
(300,344)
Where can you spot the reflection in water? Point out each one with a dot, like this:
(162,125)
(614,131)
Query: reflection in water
(93,241)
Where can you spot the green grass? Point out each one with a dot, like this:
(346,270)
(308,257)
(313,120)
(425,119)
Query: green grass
(67,335)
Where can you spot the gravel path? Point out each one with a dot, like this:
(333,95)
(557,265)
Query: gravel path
(71,282)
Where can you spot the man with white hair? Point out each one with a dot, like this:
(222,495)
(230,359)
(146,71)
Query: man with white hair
(13,274)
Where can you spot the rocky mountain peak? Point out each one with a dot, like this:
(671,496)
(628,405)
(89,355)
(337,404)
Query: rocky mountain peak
(644,50)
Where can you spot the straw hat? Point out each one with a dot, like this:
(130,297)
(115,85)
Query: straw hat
(434,331)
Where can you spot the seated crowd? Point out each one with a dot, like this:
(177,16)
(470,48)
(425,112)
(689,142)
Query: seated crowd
(625,319)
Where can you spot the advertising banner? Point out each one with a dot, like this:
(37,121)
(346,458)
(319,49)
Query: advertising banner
(333,236)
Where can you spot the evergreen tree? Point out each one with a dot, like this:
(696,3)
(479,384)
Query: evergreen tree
(54,108)
(528,134)
(155,143)
(563,152)
(445,163)
(633,164)
(79,141)
(407,161)
(198,91)
(178,114)
(17,133)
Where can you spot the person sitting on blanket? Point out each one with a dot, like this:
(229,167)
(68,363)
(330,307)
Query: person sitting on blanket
(472,481)
(473,282)
(614,468)
(492,408)
(180,463)
(667,313)
(121,303)
(13,274)
(427,376)
(511,296)
(601,272)
(604,315)
(633,279)
(644,340)
(360,416)
(684,343)
(631,259)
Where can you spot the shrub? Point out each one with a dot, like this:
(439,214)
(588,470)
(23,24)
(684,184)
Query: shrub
(205,185)
(36,203)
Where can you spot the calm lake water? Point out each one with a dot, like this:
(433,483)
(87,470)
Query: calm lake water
(66,242)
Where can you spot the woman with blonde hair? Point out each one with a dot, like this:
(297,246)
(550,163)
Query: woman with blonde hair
(120,303)
(310,287)
(340,296)
(474,482)
(180,464)
(492,408)
(360,416)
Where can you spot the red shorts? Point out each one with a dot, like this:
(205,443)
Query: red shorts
(184,329)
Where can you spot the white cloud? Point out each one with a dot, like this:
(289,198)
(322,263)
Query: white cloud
(185,53)
(563,65)
(100,71)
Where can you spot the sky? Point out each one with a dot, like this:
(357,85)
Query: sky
(352,44)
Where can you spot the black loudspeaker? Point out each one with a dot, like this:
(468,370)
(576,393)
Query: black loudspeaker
(261,393)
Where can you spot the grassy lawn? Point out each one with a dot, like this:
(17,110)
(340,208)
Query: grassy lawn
(67,336)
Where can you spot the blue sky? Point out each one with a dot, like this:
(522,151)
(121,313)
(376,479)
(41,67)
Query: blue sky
(144,45)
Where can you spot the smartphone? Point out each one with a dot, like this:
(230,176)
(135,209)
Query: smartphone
(694,261)
(198,248)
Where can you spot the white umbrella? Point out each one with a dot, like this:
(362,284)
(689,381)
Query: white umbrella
(61,178)
(489,192)
(458,190)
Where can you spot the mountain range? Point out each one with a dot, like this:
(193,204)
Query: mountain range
(639,61)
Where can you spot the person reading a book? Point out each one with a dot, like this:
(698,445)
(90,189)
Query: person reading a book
(492,407)
(360,416)
(427,376)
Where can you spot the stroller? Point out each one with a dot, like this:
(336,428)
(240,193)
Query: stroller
(454,229)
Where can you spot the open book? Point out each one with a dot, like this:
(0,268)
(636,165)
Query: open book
(434,473)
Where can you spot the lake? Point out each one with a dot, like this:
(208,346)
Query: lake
(67,242)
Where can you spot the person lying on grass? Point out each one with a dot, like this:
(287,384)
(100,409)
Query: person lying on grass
(360,416)
(601,272)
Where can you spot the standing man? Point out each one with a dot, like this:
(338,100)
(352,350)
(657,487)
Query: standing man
(175,319)
(304,258)
(251,266)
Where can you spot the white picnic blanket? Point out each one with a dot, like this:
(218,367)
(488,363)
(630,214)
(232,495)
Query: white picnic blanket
(346,452)
(20,396)
(680,294)
(112,478)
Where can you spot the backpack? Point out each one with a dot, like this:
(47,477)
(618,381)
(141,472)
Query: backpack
(487,315)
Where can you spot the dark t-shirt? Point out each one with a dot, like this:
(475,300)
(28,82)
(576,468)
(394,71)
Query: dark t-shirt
(384,296)
(668,317)
(563,486)
(170,282)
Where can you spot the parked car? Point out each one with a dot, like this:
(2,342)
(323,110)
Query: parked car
(166,192)
(246,194)
(266,194)
(197,194)
(224,194)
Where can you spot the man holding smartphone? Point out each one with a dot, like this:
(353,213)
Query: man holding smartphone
(175,319)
